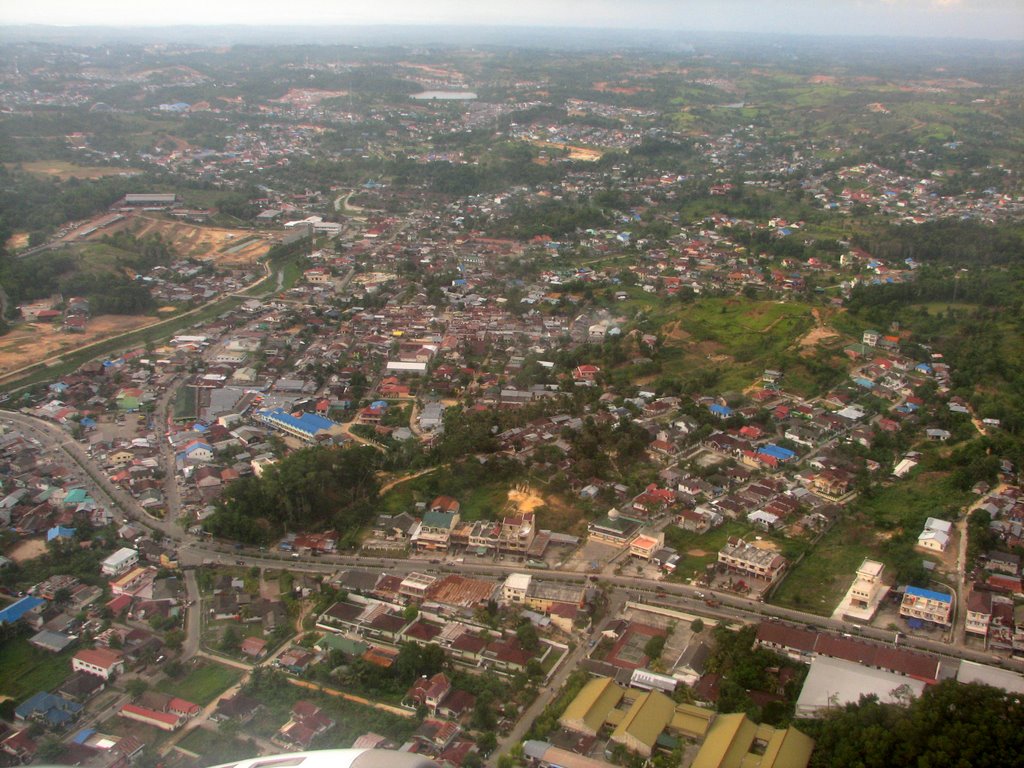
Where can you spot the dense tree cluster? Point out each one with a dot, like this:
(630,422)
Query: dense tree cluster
(950,726)
(309,490)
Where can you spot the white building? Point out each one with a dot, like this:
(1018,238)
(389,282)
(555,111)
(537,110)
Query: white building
(515,588)
(119,562)
(832,683)
(935,535)
(866,594)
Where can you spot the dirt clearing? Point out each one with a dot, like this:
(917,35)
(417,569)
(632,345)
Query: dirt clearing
(35,342)
(27,550)
(225,247)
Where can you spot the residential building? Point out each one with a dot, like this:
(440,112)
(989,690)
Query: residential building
(979,612)
(935,536)
(101,662)
(866,593)
(119,562)
(740,557)
(920,605)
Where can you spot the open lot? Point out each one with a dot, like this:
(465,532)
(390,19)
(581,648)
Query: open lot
(202,684)
(24,670)
(225,247)
(33,342)
(64,170)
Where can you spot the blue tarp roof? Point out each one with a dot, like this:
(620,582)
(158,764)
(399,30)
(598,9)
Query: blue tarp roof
(83,735)
(723,410)
(862,382)
(776,451)
(929,594)
(59,532)
(15,611)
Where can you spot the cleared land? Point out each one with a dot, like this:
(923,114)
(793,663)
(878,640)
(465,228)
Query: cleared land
(34,342)
(224,247)
(64,170)
(203,684)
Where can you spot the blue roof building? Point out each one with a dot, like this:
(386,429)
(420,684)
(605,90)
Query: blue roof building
(60,532)
(54,710)
(721,411)
(15,611)
(777,452)
(306,426)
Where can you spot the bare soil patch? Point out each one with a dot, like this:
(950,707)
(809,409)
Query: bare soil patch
(34,342)
(65,170)
(225,247)
(27,549)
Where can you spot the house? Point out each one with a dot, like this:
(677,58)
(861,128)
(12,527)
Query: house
(645,545)
(979,612)
(585,373)
(164,721)
(924,605)
(307,722)
(98,661)
(20,746)
(254,647)
(238,707)
(867,592)
(49,709)
(429,692)
(935,536)
(435,531)
(740,557)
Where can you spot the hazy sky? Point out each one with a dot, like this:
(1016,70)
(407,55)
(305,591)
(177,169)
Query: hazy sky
(987,19)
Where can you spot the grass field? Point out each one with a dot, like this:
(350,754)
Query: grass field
(65,170)
(24,670)
(822,578)
(203,684)
(907,504)
(686,542)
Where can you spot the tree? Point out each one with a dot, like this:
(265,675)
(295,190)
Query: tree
(950,725)
(697,626)
(527,635)
(174,639)
(654,646)
(231,642)
(487,743)
(49,750)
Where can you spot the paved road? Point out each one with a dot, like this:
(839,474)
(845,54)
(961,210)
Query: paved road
(193,617)
(680,596)
(161,423)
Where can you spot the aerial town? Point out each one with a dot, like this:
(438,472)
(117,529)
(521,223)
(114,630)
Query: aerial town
(507,408)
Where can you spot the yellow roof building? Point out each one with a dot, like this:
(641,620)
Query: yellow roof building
(589,710)
(650,714)
(731,737)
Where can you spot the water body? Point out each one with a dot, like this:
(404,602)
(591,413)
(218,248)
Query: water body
(444,95)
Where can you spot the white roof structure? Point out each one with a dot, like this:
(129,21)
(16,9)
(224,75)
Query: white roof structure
(934,524)
(518,582)
(834,682)
(972,672)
